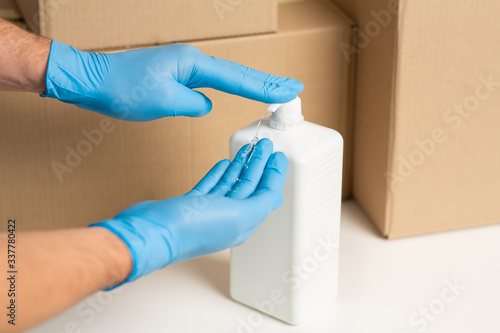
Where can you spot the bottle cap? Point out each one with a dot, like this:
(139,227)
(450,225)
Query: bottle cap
(287,115)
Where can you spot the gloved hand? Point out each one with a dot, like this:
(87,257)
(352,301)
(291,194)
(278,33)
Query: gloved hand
(152,83)
(218,213)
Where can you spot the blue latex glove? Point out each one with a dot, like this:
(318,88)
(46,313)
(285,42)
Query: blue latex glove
(218,213)
(152,83)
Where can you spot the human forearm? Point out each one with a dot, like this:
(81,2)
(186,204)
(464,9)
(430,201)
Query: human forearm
(56,269)
(23,59)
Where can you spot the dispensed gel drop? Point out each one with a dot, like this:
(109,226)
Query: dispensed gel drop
(288,268)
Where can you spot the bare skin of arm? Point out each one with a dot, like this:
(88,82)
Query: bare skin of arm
(56,269)
(23,59)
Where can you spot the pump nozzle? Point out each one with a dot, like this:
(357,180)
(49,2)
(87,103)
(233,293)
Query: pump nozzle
(274,107)
(287,115)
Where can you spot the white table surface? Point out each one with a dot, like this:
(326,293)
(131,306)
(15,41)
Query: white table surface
(383,284)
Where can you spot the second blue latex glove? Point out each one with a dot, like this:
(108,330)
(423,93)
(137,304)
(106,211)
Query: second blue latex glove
(152,83)
(219,213)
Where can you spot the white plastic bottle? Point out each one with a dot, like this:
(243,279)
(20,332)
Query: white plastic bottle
(288,268)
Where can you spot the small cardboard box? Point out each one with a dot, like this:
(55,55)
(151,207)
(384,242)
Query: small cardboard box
(107,24)
(114,164)
(9,10)
(426,155)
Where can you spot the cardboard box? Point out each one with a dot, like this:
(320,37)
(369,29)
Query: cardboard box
(426,120)
(9,10)
(106,24)
(115,164)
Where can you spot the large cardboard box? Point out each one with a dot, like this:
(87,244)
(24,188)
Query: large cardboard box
(427,113)
(9,10)
(114,164)
(105,24)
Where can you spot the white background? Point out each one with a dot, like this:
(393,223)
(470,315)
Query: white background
(383,283)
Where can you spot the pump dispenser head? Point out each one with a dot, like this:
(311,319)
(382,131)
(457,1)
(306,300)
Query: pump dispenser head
(287,115)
